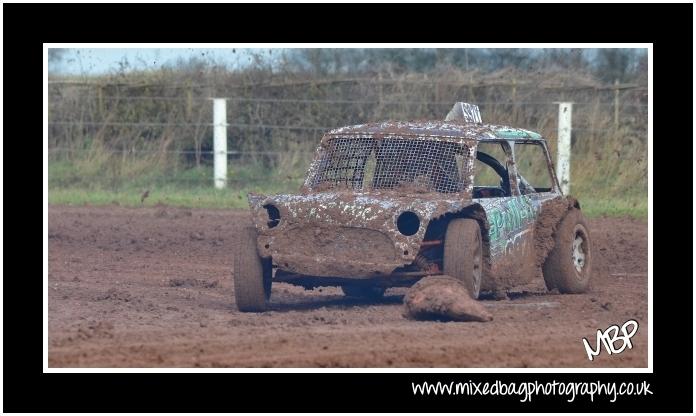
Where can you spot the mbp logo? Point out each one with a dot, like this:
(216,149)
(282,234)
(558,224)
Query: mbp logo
(610,337)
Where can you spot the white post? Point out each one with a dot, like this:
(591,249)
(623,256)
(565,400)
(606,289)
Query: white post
(565,116)
(220,142)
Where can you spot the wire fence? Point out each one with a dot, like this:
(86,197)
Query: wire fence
(337,101)
(174,124)
(232,153)
(139,132)
(173,152)
(234,125)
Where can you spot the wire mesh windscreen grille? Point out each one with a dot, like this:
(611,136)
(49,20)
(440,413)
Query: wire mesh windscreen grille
(406,164)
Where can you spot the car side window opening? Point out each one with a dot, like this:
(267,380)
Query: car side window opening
(491,178)
(533,175)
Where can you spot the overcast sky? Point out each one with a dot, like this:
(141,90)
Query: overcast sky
(95,61)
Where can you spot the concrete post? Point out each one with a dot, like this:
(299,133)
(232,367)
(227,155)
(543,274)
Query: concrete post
(220,142)
(565,115)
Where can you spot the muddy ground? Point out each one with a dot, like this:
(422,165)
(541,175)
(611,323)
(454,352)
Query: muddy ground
(151,287)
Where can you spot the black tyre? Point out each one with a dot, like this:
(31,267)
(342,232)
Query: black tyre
(364,292)
(568,267)
(252,274)
(463,256)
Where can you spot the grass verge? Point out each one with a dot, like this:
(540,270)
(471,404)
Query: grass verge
(619,192)
(634,206)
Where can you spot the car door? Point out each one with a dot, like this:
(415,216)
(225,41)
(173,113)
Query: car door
(513,221)
(510,216)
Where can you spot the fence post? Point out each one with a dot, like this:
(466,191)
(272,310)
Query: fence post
(616,103)
(189,103)
(471,88)
(100,99)
(565,115)
(514,100)
(220,142)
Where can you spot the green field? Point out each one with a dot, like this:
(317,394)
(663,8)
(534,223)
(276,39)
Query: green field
(236,198)
(192,188)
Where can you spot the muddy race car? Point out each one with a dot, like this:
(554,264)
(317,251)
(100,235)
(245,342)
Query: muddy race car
(386,204)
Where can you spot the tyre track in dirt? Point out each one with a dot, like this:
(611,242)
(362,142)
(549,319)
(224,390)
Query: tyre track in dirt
(151,287)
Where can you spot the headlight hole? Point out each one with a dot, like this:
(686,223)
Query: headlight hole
(408,223)
(273,215)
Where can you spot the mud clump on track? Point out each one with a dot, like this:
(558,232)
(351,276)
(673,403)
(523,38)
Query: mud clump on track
(95,330)
(128,288)
(192,282)
(114,295)
(443,298)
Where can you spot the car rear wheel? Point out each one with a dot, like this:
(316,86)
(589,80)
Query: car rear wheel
(463,254)
(252,274)
(568,267)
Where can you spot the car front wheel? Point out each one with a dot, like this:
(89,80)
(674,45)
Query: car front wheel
(252,274)
(463,253)
(568,266)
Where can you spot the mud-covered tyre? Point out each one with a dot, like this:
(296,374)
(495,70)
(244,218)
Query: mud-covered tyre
(463,253)
(568,267)
(363,292)
(252,274)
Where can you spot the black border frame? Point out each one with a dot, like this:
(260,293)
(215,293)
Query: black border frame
(27,26)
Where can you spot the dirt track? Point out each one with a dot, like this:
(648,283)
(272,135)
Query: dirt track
(151,287)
